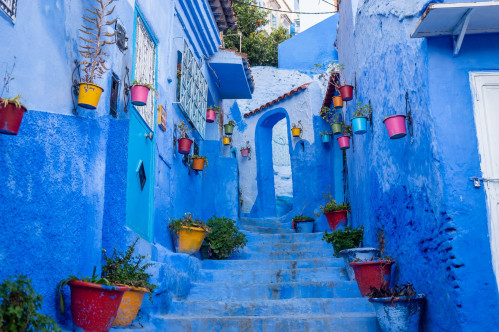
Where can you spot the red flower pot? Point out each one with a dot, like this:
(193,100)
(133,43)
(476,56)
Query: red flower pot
(184,145)
(344,142)
(346,92)
(93,306)
(395,125)
(210,115)
(10,118)
(244,152)
(372,274)
(335,218)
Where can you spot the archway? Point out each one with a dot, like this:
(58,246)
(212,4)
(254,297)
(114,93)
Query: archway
(271,169)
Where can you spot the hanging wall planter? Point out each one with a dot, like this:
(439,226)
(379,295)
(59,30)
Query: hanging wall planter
(359,125)
(297,129)
(325,137)
(199,162)
(89,95)
(211,113)
(229,127)
(226,140)
(139,93)
(344,142)
(337,127)
(11,115)
(375,274)
(245,152)
(346,92)
(395,125)
(338,102)
(184,143)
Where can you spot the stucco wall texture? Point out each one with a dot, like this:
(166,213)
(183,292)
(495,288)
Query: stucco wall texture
(413,195)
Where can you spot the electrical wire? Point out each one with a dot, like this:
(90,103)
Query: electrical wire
(329,3)
(281,11)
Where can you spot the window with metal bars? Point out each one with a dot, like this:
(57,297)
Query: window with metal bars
(193,91)
(145,67)
(9,7)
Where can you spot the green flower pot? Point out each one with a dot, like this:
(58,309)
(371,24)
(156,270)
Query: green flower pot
(228,129)
(336,127)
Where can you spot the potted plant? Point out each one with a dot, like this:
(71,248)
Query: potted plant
(226,140)
(398,309)
(395,125)
(333,118)
(11,109)
(245,151)
(338,102)
(20,305)
(296,129)
(224,239)
(229,127)
(325,136)
(335,213)
(94,301)
(189,233)
(184,143)
(140,92)
(359,120)
(303,224)
(211,113)
(199,162)
(344,139)
(96,38)
(372,273)
(128,269)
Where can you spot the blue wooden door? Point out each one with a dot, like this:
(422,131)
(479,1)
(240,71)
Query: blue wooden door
(140,176)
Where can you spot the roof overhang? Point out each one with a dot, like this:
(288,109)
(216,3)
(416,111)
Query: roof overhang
(233,74)
(457,20)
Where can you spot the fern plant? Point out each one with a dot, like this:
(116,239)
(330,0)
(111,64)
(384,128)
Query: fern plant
(96,39)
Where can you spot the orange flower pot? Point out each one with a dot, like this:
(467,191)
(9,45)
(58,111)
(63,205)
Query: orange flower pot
(198,164)
(129,306)
(338,102)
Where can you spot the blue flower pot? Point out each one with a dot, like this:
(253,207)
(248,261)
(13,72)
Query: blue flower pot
(359,125)
(306,226)
(400,314)
(350,255)
(326,138)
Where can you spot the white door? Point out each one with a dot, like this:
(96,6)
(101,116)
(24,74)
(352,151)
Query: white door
(485,86)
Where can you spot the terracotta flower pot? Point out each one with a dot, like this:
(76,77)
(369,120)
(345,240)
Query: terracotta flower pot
(335,218)
(350,255)
(129,306)
(94,307)
(11,117)
(372,274)
(338,102)
(198,164)
(184,145)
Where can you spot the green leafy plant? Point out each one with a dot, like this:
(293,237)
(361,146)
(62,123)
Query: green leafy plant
(135,82)
(302,218)
(346,130)
(96,39)
(201,157)
(344,239)
(231,123)
(324,133)
(329,115)
(362,110)
(184,129)
(397,291)
(331,204)
(225,239)
(19,306)
(215,108)
(94,279)
(374,259)
(188,221)
(128,269)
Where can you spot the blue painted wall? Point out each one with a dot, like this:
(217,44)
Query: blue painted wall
(64,175)
(313,46)
(414,197)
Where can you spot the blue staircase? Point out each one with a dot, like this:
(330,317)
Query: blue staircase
(282,281)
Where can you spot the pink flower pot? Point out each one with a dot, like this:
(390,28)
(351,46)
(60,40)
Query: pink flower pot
(344,142)
(244,152)
(395,125)
(210,115)
(139,95)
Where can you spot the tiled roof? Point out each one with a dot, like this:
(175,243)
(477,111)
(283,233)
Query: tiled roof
(224,14)
(277,100)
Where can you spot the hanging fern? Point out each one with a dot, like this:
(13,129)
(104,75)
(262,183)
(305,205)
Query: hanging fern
(96,39)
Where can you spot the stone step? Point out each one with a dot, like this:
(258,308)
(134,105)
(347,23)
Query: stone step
(287,255)
(269,291)
(296,246)
(264,223)
(267,230)
(254,238)
(355,322)
(272,264)
(272,276)
(289,307)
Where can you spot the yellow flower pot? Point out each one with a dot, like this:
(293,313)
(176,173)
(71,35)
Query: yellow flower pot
(89,95)
(296,132)
(129,306)
(190,239)
(226,140)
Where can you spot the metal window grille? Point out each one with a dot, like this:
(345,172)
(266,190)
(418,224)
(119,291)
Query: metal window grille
(145,68)
(9,7)
(193,91)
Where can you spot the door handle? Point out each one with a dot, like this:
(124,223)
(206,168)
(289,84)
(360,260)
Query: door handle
(150,135)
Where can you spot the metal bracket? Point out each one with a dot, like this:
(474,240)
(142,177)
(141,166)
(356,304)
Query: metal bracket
(126,88)
(477,181)
(408,111)
(75,86)
(370,117)
(460,31)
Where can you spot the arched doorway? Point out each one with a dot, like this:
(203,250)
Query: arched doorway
(273,164)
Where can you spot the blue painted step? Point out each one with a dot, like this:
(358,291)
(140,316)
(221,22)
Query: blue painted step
(272,307)
(297,246)
(268,230)
(246,264)
(265,223)
(287,255)
(254,238)
(357,322)
(272,276)
(269,291)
